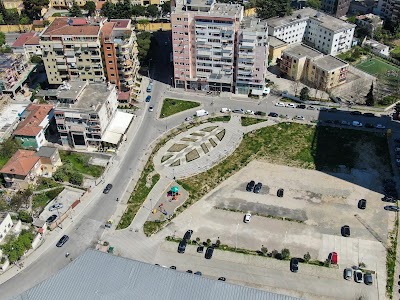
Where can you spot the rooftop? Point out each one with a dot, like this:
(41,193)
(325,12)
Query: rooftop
(275,42)
(253,24)
(330,63)
(208,8)
(376,45)
(325,20)
(21,163)
(22,39)
(121,23)
(73,26)
(32,117)
(45,151)
(71,90)
(300,50)
(8,60)
(3,216)
(33,41)
(9,116)
(97,275)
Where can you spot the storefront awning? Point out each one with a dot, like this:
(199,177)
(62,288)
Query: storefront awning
(117,127)
(111,137)
(257,92)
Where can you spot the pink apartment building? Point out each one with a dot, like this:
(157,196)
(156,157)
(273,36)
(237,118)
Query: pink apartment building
(214,49)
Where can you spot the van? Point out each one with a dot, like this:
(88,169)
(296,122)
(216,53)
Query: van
(201,113)
(225,110)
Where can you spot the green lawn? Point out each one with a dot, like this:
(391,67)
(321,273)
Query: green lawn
(174,106)
(247,121)
(41,200)
(80,163)
(375,66)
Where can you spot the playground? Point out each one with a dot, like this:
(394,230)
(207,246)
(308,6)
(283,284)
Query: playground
(376,67)
(173,197)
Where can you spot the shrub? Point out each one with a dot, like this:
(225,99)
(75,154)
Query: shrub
(264,250)
(307,257)
(208,242)
(76,178)
(285,253)
(217,243)
(24,216)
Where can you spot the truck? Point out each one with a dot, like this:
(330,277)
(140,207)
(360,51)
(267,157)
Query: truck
(201,113)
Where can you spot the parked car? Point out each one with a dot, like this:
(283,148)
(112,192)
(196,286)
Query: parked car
(108,188)
(301,106)
(197,273)
(209,252)
(151,108)
(299,118)
(247,218)
(238,111)
(279,193)
(357,124)
(280,104)
(182,246)
(200,249)
(369,125)
(358,276)
(62,241)
(257,188)
(380,126)
(368,114)
(368,279)
(356,113)
(148,98)
(362,204)
(294,265)
(172,267)
(311,107)
(345,230)
(189,119)
(225,110)
(348,273)
(189,271)
(259,113)
(249,112)
(392,208)
(291,105)
(188,235)
(250,186)
(388,198)
(55,206)
(222,279)
(51,219)
(273,114)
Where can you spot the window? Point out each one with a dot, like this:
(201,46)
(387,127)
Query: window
(108,48)
(109,55)
(110,62)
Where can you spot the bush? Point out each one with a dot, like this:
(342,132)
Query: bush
(76,178)
(307,257)
(208,242)
(264,250)
(217,243)
(24,216)
(285,254)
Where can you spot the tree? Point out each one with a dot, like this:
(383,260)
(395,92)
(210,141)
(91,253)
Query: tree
(208,242)
(24,216)
(264,250)
(143,42)
(217,243)
(75,10)
(108,10)
(24,20)
(138,10)
(307,257)
(316,4)
(304,93)
(285,253)
(369,99)
(21,197)
(33,8)
(270,8)
(8,148)
(2,22)
(2,38)
(36,59)
(166,7)
(152,11)
(90,6)
(76,178)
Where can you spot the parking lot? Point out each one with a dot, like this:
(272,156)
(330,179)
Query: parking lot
(308,218)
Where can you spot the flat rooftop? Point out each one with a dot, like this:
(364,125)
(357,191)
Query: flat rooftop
(93,94)
(325,20)
(275,42)
(253,24)
(208,8)
(300,50)
(9,116)
(330,63)
(71,90)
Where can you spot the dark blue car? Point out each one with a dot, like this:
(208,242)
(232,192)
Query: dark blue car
(148,98)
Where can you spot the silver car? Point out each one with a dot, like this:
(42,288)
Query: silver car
(347,274)
(55,206)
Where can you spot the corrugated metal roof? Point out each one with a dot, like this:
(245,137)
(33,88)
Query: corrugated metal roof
(97,275)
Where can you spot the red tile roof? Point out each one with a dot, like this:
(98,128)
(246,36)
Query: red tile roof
(30,126)
(78,27)
(20,41)
(107,29)
(123,96)
(21,163)
(33,41)
(121,23)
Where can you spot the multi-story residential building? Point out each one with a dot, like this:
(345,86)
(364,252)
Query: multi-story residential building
(27,44)
(66,3)
(321,31)
(276,46)
(87,117)
(5,224)
(389,9)
(72,50)
(119,49)
(252,57)
(337,8)
(323,72)
(358,7)
(204,44)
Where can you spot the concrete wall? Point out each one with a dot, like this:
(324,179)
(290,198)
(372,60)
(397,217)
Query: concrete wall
(36,241)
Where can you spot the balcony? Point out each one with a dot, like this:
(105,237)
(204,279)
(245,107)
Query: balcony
(203,53)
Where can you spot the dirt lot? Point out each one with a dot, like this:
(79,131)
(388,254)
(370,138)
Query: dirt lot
(317,204)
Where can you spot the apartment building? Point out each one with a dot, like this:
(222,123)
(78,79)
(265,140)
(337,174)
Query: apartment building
(27,44)
(252,57)
(321,31)
(119,48)
(66,3)
(204,44)
(337,8)
(389,9)
(84,111)
(313,68)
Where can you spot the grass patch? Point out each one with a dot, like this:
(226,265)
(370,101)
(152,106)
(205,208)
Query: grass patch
(192,155)
(212,142)
(204,147)
(197,134)
(149,227)
(219,119)
(176,163)
(186,139)
(247,121)
(46,183)
(166,157)
(174,106)
(220,135)
(41,200)
(177,147)
(80,163)
(209,128)
(391,259)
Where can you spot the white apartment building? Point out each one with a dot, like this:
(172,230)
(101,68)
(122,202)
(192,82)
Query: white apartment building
(252,57)
(5,224)
(318,30)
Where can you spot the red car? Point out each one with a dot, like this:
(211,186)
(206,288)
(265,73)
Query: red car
(333,258)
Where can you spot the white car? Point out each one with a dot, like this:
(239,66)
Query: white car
(280,104)
(151,108)
(249,112)
(358,276)
(247,218)
(55,206)
(189,119)
(299,118)
(380,126)
(357,124)
(225,110)
(291,105)
(311,107)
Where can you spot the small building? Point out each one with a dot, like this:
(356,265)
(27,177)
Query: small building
(323,72)
(376,47)
(5,224)
(276,46)
(18,45)
(50,160)
(28,45)
(35,120)
(370,22)
(358,7)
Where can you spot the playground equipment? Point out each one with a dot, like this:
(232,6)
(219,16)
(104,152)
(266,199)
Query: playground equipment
(174,192)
